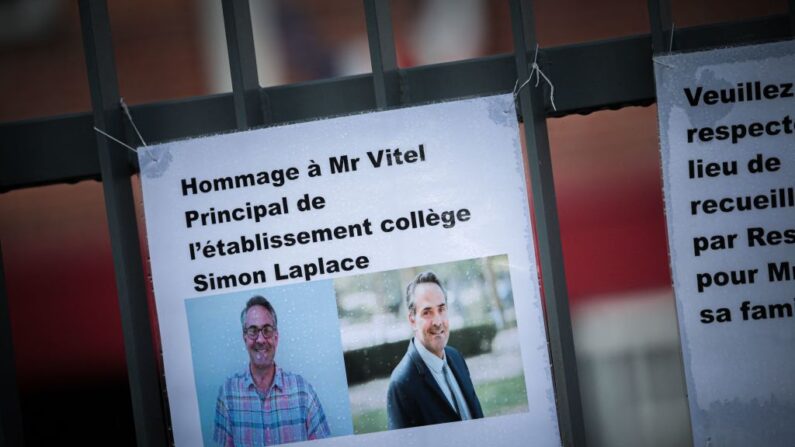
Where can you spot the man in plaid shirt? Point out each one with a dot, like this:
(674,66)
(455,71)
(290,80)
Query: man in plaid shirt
(266,405)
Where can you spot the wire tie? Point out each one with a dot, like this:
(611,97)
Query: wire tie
(536,71)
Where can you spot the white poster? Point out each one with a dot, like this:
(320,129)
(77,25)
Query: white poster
(728,150)
(356,281)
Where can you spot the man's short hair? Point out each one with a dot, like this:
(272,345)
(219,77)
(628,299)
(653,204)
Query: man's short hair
(258,300)
(423,278)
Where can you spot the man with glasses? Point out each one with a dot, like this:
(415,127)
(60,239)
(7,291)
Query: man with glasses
(266,405)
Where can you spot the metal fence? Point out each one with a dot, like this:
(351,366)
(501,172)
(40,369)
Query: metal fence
(65,149)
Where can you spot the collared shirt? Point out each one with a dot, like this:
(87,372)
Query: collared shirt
(289,411)
(436,366)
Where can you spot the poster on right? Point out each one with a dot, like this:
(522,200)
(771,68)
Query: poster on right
(727,140)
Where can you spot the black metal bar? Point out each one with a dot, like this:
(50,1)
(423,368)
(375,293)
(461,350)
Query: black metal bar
(47,150)
(142,369)
(249,110)
(661,22)
(383,59)
(792,17)
(10,412)
(561,340)
(588,77)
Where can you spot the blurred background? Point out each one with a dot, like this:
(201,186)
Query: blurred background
(66,328)
(376,332)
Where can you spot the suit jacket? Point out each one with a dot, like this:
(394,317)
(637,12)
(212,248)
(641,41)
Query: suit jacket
(414,398)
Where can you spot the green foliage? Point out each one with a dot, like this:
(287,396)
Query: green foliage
(498,397)
(503,396)
(370,421)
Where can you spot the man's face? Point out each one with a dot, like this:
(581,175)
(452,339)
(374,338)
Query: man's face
(261,349)
(429,320)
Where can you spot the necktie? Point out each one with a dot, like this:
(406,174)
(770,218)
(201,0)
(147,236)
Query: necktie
(449,380)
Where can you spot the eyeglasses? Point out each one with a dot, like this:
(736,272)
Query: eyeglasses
(253,332)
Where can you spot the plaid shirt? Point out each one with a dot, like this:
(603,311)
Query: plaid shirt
(288,412)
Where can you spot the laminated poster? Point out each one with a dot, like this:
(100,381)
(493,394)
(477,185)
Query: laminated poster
(727,139)
(356,281)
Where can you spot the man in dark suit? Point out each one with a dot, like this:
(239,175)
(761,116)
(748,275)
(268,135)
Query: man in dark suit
(431,383)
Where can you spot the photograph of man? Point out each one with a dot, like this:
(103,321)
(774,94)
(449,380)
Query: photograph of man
(266,405)
(431,384)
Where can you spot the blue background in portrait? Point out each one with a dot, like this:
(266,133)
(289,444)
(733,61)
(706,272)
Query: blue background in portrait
(309,345)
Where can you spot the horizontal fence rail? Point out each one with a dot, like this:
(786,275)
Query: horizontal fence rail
(588,77)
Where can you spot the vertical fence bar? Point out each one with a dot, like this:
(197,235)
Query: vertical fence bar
(661,21)
(10,412)
(564,362)
(383,58)
(138,345)
(243,64)
(792,17)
